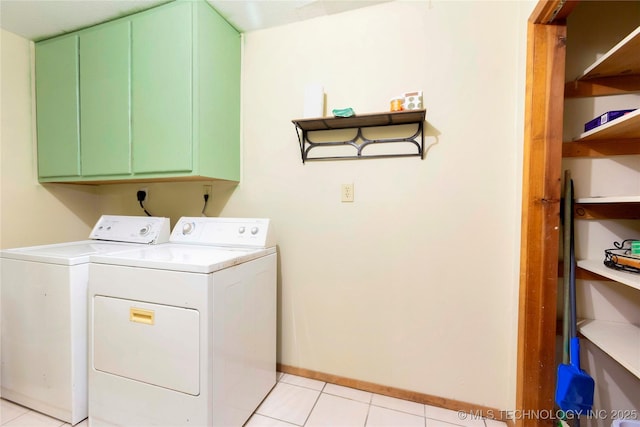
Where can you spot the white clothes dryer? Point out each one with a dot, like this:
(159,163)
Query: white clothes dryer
(184,334)
(44,314)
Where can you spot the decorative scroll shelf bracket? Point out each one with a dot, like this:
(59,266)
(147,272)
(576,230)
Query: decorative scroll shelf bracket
(359,142)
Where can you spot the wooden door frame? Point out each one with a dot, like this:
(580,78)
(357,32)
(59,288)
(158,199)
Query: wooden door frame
(541,199)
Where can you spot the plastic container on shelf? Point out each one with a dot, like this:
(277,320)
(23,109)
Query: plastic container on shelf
(396,104)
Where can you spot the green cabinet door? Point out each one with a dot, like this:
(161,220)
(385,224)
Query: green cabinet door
(104,100)
(162,90)
(218,95)
(57,107)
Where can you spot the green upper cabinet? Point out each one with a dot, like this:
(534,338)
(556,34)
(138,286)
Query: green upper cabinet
(104,100)
(157,97)
(162,90)
(57,108)
(217,80)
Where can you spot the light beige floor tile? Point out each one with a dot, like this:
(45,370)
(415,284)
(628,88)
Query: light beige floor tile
(34,419)
(257,420)
(437,423)
(349,393)
(289,403)
(453,417)
(334,411)
(398,404)
(383,417)
(302,382)
(495,423)
(9,411)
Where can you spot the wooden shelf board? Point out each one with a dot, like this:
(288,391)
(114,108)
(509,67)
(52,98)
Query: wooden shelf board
(622,59)
(609,199)
(361,120)
(628,209)
(625,127)
(598,267)
(619,340)
(601,148)
(581,273)
(605,86)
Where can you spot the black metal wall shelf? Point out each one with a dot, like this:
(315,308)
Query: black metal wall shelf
(359,142)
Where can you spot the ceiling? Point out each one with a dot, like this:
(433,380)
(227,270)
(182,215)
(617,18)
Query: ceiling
(40,19)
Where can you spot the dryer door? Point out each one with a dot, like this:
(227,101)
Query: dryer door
(152,343)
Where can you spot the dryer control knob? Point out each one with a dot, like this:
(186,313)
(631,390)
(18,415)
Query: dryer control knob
(254,230)
(145,230)
(188,227)
(241,230)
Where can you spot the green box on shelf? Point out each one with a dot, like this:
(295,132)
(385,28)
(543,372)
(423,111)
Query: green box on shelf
(635,247)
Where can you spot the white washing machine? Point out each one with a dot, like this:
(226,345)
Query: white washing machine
(44,314)
(184,334)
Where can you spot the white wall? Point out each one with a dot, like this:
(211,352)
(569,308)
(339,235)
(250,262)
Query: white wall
(31,213)
(414,285)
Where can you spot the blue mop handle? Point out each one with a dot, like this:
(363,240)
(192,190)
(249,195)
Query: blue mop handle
(574,344)
(574,352)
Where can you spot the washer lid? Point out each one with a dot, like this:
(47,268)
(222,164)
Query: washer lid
(70,253)
(187,258)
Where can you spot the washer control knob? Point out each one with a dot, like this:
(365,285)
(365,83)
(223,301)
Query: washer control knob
(188,227)
(254,230)
(145,230)
(241,230)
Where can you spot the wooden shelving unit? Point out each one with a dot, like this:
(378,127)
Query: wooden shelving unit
(616,72)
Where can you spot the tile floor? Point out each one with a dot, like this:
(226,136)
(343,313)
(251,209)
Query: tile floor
(298,401)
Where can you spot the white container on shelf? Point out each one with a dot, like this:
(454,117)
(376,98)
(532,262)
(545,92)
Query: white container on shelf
(313,101)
